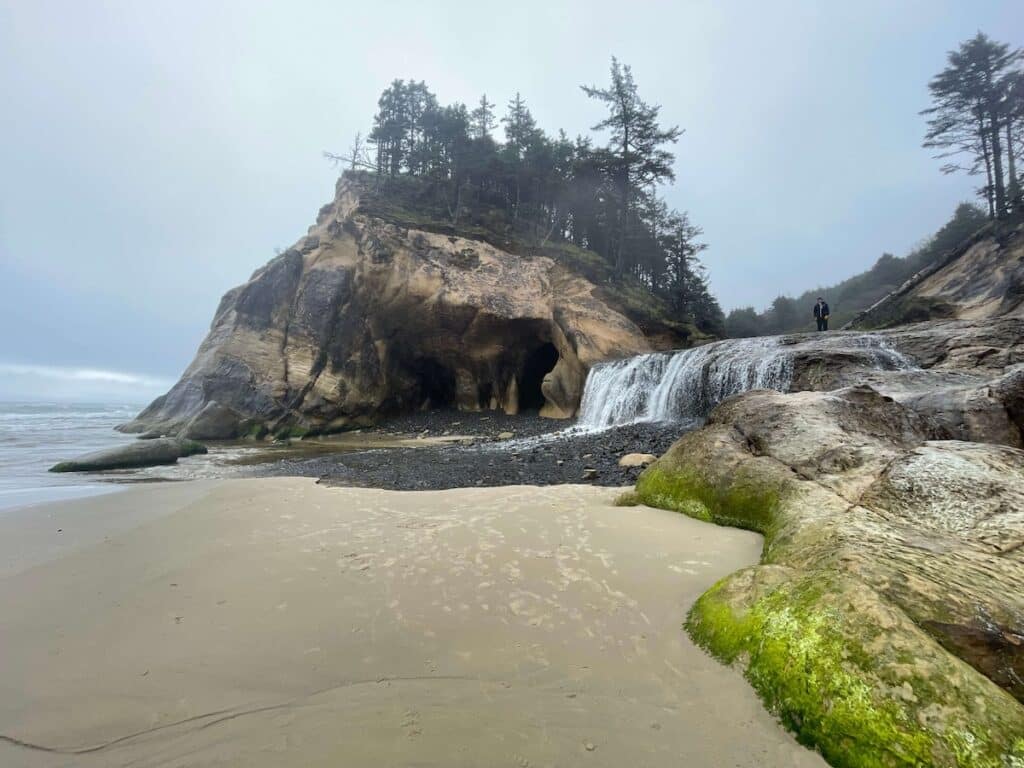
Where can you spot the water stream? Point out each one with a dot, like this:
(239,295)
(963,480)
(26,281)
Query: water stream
(687,384)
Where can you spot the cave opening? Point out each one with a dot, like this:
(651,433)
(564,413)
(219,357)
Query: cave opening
(539,363)
(436,384)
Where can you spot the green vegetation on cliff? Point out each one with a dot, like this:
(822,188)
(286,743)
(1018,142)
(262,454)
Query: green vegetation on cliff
(411,202)
(537,192)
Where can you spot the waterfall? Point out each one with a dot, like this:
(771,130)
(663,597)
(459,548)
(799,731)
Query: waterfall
(673,386)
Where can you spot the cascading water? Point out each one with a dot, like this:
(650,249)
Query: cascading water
(673,386)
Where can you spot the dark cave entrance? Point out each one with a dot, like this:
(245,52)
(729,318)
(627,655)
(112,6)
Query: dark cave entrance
(437,384)
(538,364)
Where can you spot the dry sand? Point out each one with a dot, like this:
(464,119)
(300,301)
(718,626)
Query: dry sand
(278,623)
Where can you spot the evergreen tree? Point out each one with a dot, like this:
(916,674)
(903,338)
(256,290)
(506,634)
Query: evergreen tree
(742,323)
(786,314)
(682,281)
(550,189)
(1014,90)
(970,114)
(635,158)
(520,133)
(389,129)
(482,119)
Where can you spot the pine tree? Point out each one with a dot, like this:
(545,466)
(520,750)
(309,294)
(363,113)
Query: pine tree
(534,189)
(1014,90)
(482,119)
(520,131)
(635,158)
(969,114)
(389,129)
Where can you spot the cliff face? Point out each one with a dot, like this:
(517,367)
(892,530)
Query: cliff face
(363,317)
(980,280)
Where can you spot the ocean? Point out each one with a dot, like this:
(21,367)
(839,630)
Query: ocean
(35,436)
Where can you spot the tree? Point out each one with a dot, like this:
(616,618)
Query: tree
(398,126)
(534,190)
(356,157)
(482,119)
(417,103)
(635,158)
(388,129)
(742,323)
(1014,90)
(520,132)
(969,112)
(787,315)
(444,153)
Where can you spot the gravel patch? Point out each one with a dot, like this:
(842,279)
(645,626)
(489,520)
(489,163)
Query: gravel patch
(540,452)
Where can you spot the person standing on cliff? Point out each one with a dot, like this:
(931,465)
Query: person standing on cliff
(821,314)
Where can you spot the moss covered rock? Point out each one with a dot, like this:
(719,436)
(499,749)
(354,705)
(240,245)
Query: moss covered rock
(885,624)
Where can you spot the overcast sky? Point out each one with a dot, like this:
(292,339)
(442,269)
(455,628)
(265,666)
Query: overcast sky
(152,154)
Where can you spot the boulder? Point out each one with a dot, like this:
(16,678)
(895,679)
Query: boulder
(214,422)
(885,623)
(145,453)
(637,459)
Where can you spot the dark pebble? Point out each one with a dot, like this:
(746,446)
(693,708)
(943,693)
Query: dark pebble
(488,462)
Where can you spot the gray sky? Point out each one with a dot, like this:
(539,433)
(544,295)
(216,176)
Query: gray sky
(154,153)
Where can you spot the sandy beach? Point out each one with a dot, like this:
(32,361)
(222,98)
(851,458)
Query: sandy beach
(274,622)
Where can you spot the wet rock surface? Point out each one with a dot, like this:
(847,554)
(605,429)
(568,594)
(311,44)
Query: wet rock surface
(144,453)
(887,615)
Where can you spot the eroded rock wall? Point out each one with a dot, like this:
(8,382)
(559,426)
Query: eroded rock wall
(362,318)
(982,279)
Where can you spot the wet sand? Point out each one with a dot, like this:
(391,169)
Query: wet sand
(275,622)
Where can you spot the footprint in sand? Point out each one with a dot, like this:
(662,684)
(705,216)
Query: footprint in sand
(411,723)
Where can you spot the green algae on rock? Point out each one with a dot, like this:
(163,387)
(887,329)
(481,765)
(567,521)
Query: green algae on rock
(882,548)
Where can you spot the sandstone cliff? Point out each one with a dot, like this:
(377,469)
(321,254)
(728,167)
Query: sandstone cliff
(981,279)
(366,316)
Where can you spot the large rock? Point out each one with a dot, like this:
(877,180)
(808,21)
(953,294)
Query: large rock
(886,621)
(214,422)
(144,453)
(637,459)
(363,317)
(967,376)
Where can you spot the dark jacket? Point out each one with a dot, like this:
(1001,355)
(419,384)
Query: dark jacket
(821,310)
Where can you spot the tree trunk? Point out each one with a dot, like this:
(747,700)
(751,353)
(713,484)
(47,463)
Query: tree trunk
(620,256)
(997,164)
(1013,188)
(988,170)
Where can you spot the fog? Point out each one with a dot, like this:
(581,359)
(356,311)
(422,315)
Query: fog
(154,154)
